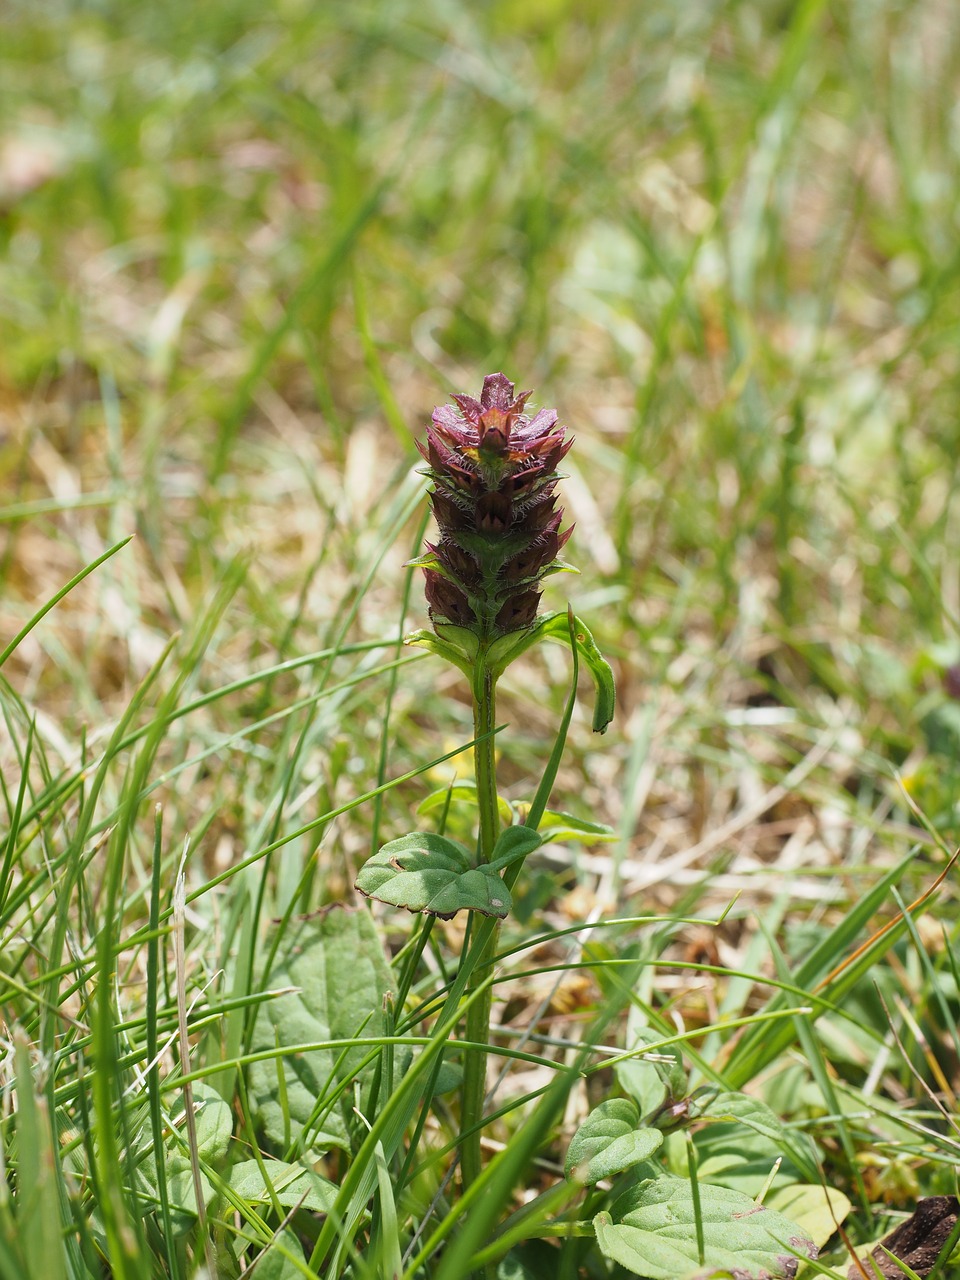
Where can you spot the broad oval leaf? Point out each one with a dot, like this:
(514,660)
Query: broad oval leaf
(337,975)
(213,1119)
(818,1210)
(609,1141)
(655,1234)
(514,843)
(427,872)
(292,1185)
(282,1259)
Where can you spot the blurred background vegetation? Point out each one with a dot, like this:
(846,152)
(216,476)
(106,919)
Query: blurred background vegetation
(245,249)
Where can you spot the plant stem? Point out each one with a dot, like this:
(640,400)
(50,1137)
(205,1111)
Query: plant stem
(478,1015)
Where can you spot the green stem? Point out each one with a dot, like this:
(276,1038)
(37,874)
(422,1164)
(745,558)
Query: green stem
(478,1014)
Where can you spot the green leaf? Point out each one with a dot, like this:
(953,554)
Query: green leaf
(729,1110)
(556,626)
(449,1077)
(427,872)
(456,644)
(559,566)
(753,1113)
(335,964)
(38,1225)
(292,1185)
(427,561)
(608,1142)
(555,825)
(652,1231)
(213,1121)
(817,1210)
(214,1124)
(654,1080)
(464,790)
(280,1259)
(514,843)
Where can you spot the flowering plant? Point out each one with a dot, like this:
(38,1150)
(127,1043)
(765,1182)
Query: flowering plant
(494,480)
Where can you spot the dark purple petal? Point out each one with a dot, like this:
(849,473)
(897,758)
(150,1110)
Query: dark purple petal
(532,559)
(538,426)
(448,514)
(555,456)
(452,473)
(446,418)
(537,512)
(494,428)
(521,480)
(472,409)
(439,451)
(497,392)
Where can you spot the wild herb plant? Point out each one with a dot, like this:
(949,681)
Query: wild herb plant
(494,474)
(494,479)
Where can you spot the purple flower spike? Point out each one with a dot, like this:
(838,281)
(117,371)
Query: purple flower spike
(494,499)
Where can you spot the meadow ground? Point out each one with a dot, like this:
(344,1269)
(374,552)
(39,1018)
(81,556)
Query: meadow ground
(243,253)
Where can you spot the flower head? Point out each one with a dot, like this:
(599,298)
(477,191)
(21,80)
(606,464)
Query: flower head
(494,472)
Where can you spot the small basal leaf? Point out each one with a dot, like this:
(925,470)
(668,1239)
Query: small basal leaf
(655,1079)
(334,965)
(817,1210)
(292,1185)
(449,1077)
(739,1107)
(213,1121)
(609,1141)
(427,872)
(652,1231)
(282,1259)
(735,1109)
